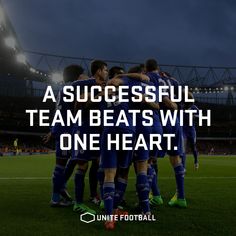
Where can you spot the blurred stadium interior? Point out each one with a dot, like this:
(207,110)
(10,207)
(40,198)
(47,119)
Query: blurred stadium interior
(25,74)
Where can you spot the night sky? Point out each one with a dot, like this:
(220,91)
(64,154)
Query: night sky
(190,32)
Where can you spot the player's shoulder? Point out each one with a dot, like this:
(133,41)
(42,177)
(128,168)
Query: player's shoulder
(153,75)
(147,83)
(173,81)
(130,81)
(194,107)
(90,81)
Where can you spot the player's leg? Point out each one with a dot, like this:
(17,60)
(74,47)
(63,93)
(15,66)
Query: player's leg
(184,149)
(176,162)
(142,186)
(70,166)
(79,188)
(79,180)
(93,181)
(108,163)
(142,183)
(108,196)
(100,177)
(121,181)
(83,157)
(124,159)
(156,198)
(193,146)
(179,177)
(58,179)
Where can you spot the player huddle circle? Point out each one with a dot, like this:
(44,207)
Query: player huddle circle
(142,88)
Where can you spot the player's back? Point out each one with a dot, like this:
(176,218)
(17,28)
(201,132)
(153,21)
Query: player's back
(64,106)
(154,78)
(119,106)
(187,117)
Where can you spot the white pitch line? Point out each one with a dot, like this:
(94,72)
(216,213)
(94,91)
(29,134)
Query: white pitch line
(164,178)
(24,178)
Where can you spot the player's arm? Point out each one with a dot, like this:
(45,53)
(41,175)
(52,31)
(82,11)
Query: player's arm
(169,104)
(116,81)
(82,82)
(82,105)
(196,115)
(53,129)
(88,104)
(93,105)
(46,138)
(136,76)
(151,105)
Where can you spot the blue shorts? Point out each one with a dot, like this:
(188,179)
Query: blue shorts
(115,158)
(142,154)
(61,154)
(190,134)
(81,154)
(176,141)
(156,129)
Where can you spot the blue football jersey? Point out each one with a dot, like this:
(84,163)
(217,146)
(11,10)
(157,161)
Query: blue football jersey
(117,106)
(187,117)
(65,106)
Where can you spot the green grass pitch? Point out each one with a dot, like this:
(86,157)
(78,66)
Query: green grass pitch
(25,188)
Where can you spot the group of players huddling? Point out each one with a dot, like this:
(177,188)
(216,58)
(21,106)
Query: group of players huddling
(110,168)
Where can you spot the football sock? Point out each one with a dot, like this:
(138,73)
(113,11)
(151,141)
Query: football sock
(154,166)
(101,181)
(79,186)
(142,187)
(179,177)
(108,196)
(183,158)
(120,187)
(70,166)
(195,155)
(155,188)
(93,179)
(150,175)
(58,181)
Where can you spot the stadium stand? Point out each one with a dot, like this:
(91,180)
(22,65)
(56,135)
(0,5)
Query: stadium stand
(23,85)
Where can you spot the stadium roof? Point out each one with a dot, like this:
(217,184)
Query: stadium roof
(12,58)
(14,62)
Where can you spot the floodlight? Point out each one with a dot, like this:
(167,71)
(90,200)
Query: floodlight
(10,42)
(57,77)
(226,88)
(32,70)
(21,58)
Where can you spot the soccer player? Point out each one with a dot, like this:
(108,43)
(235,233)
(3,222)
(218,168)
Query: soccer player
(111,159)
(153,71)
(143,158)
(114,71)
(189,132)
(116,162)
(99,75)
(151,68)
(171,81)
(138,72)
(60,196)
(15,144)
